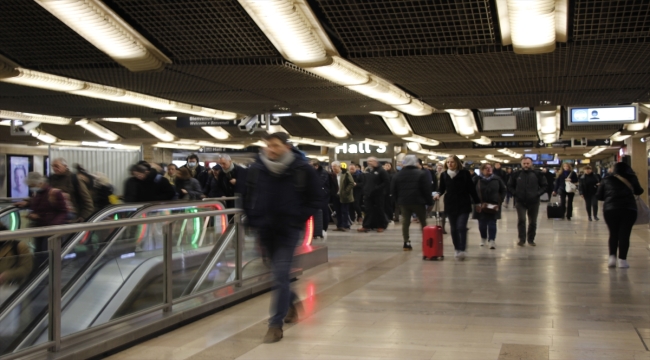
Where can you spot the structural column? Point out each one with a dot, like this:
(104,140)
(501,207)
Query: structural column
(638,152)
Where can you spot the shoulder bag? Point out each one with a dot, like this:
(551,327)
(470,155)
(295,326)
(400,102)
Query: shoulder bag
(486,208)
(642,210)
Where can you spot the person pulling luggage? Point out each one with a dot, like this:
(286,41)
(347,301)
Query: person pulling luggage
(566,185)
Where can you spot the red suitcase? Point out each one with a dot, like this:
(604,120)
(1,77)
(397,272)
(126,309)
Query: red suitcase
(432,243)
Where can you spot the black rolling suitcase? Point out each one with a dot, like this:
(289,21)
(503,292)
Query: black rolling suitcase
(555,211)
(318,224)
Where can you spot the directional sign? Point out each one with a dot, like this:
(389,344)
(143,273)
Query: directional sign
(505,144)
(199,121)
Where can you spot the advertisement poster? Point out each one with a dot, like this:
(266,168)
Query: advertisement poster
(18,167)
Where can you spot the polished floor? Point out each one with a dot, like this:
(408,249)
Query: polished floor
(373,301)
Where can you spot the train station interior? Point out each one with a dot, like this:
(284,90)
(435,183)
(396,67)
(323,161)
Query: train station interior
(106,84)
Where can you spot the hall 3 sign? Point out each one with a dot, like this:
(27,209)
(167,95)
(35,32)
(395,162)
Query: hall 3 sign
(360,148)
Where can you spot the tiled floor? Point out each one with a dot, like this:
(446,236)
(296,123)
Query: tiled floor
(554,301)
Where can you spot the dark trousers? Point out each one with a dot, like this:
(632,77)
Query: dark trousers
(458,230)
(591,201)
(280,244)
(619,223)
(566,200)
(532,210)
(356,206)
(488,228)
(342,214)
(375,216)
(419,211)
(389,207)
(327,216)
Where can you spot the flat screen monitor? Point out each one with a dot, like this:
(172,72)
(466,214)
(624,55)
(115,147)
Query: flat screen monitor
(602,115)
(18,166)
(532,156)
(553,162)
(538,162)
(547,157)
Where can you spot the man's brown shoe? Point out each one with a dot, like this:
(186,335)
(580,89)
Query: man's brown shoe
(362,230)
(380,230)
(273,335)
(292,314)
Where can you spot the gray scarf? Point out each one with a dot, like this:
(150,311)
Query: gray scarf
(452,174)
(281,165)
(231,168)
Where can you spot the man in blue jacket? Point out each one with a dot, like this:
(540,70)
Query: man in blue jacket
(282,192)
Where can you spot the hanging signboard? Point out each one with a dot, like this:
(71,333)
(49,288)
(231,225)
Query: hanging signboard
(505,144)
(200,121)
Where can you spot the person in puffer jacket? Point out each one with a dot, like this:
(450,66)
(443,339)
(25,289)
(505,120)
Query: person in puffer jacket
(618,191)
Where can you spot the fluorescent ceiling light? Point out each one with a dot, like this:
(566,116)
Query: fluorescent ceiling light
(176,146)
(12,115)
(414,146)
(109,145)
(221,145)
(43,136)
(507,135)
(595,151)
(548,123)
(309,115)
(276,129)
(483,161)
(216,132)
(375,142)
(532,27)
(619,137)
(335,127)
(396,122)
(308,141)
(341,72)
(157,131)
(67,143)
(41,80)
(461,156)
(506,161)
(108,32)
(483,140)
(422,140)
(289,29)
(258,143)
(415,108)
(637,126)
(463,120)
(185,141)
(382,91)
(132,121)
(98,130)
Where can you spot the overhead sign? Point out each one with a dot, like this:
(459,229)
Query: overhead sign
(602,115)
(505,144)
(200,121)
(360,148)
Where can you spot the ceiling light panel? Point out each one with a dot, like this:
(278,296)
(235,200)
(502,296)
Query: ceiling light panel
(98,130)
(12,115)
(396,122)
(483,140)
(415,108)
(335,127)
(463,120)
(108,32)
(43,136)
(422,140)
(132,121)
(382,91)
(533,27)
(341,72)
(548,124)
(216,132)
(176,146)
(109,145)
(220,145)
(157,131)
(375,142)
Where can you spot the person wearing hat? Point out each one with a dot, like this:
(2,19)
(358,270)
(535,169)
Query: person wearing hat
(212,188)
(345,195)
(411,190)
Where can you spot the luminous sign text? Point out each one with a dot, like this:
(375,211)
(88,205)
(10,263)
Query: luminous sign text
(360,148)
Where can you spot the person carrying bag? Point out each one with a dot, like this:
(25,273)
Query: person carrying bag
(491,192)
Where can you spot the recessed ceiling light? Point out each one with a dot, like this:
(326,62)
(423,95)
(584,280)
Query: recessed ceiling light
(507,134)
(527,150)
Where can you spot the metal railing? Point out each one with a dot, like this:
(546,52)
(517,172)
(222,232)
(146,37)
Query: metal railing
(55,234)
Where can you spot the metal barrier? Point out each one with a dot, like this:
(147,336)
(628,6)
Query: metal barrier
(55,234)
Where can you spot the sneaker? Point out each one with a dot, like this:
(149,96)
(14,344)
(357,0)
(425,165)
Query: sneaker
(407,246)
(596,217)
(324,235)
(380,230)
(521,243)
(611,263)
(532,243)
(590,218)
(273,335)
(461,255)
(623,264)
(492,245)
(483,242)
(456,252)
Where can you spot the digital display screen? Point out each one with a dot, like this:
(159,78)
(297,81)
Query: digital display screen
(538,163)
(547,157)
(18,167)
(532,156)
(554,162)
(602,115)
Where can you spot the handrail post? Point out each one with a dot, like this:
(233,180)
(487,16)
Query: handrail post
(54,307)
(168,295)
(239,276)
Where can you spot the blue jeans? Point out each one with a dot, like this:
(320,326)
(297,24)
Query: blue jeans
(488,228)
(280,244)
(342,214)
(458,229)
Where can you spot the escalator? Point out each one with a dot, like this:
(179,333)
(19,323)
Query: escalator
(28,301)
(96,264)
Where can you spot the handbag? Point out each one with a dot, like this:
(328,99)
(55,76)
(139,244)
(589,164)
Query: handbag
(486,207)
(642,210)
(569,187)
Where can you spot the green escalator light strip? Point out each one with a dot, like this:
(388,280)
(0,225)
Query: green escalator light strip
(14,221)
(115,217)
(197,229)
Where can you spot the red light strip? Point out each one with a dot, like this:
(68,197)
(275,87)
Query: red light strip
(309,232)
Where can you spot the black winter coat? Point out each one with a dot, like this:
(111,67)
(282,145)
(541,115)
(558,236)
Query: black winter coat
(154,188)
(272,200)
(239,174)
(588,184)
(358,187)
(527,186)
(212,188)
(459,192)
(323,183)
(560,186)
(201,174)
(617,195)
(375,182)
(492,191)
(411,187)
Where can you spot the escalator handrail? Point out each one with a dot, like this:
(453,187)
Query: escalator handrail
(20,294)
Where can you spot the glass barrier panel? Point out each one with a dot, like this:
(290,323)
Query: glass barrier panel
(19,315)
(253,264)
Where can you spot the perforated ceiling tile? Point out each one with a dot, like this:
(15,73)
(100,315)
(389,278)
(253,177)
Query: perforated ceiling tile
(184,133)
(197,29)
(601,19)
(368,25)
(214,98)
(340,106)
(365,125)
(127,131)
(70,132)
(32,36)
(303,126)
(631,58)
(436,123)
